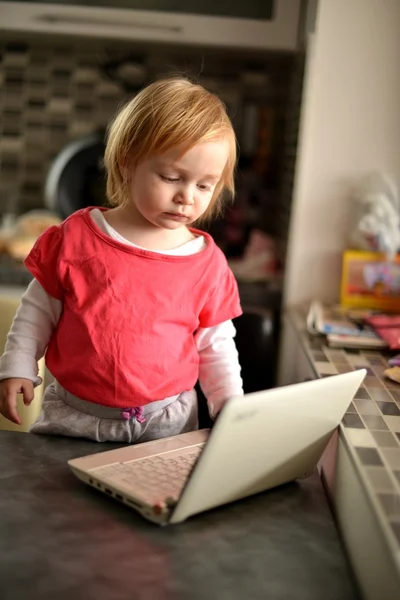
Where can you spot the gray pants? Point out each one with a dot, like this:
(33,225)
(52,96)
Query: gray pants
(65,414)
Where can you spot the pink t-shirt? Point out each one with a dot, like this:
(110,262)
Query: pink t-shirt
(126,334)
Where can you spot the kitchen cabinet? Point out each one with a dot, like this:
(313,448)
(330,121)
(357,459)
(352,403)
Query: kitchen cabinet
(267,25)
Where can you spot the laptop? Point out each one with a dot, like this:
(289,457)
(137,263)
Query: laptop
(259,441)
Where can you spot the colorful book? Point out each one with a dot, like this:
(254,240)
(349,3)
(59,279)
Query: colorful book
(343,327)
(351,341)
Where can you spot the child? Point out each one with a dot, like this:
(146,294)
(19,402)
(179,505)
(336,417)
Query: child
(131,304)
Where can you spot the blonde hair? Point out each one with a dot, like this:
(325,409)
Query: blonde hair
(166,114)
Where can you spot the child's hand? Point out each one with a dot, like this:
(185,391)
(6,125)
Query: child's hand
(9,388)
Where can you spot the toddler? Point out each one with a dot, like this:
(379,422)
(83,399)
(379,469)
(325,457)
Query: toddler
(131,305)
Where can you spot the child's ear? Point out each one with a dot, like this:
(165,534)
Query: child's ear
(124,172)
(123,167)
(126,166)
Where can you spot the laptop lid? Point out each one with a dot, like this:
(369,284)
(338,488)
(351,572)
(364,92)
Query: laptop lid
(266,439)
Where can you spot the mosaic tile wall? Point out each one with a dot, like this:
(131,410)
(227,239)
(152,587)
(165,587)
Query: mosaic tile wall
(54,92)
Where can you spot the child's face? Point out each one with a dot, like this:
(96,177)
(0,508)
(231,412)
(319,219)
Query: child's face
(170,191)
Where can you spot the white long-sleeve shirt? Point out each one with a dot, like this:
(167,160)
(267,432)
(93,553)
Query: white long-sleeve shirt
(39,313)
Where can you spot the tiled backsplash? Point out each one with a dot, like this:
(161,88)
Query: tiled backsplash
(51,95)
(54,92)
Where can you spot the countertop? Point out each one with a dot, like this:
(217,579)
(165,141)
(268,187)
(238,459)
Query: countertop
(60,539)
(370,428)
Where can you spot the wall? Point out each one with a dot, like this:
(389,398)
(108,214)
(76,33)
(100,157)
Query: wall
(350,124)
(57,90)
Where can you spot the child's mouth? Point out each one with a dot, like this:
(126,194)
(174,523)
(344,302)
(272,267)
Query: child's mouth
(177,216)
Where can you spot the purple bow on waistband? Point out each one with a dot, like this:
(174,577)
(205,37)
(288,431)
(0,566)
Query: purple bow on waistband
(134,413)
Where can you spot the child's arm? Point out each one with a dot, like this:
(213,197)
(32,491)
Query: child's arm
(30,333)
(219,370)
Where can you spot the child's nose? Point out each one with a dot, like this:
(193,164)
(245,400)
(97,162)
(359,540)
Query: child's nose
(185,196)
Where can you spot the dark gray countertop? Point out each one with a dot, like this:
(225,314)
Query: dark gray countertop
(59,539)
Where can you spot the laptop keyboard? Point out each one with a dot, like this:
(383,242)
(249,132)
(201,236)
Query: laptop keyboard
(152,477)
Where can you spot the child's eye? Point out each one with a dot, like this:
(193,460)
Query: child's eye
(169,179)
(204,187)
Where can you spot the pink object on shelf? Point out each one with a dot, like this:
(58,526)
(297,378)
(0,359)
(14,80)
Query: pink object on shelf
(388,328)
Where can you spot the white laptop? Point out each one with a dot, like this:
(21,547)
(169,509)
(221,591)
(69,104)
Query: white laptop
(259,441)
